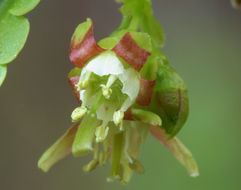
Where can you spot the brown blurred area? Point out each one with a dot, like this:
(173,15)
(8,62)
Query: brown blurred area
(203,43)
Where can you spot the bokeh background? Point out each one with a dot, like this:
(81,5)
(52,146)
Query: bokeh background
(203,43)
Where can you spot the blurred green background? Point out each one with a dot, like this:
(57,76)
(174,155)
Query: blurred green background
(203,43)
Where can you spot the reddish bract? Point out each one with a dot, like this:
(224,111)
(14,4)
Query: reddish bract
(73,81)
(128,115)
(146,90)
(159,134)
(129,50)
(84,50)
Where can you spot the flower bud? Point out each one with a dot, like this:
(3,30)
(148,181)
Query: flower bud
(171,100)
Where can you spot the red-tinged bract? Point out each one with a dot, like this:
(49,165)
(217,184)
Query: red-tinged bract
(83,49)
(73,81)
(129,50)
(146,90)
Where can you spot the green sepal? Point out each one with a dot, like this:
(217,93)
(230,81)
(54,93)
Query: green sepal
(143,40)
(108,43)
(155,61)
(85,135)
(74,72)
(81,31)
(3,73)
(170,100)
(58,150)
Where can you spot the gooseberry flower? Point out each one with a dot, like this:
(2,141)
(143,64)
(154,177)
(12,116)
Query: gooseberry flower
(119,106)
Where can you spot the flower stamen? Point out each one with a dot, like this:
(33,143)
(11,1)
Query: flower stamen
(101,133)
(78,113)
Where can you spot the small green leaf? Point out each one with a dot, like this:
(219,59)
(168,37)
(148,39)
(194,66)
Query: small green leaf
(3,72)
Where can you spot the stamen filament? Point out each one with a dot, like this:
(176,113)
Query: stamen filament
(116,156)
(111,80)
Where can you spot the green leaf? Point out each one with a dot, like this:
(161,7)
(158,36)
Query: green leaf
(21,7)
(3,72)
(14,28)
(13,34)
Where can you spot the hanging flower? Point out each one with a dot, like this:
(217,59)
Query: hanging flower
(119,106)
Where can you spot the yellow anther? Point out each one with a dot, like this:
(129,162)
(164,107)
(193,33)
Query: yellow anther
(118,117)
(78,113)
(106,91)
(101,133)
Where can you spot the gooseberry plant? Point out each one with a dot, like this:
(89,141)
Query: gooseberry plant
(125,87)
